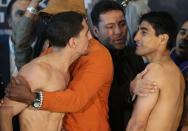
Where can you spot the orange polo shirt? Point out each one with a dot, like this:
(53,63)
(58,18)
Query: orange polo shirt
(85,101)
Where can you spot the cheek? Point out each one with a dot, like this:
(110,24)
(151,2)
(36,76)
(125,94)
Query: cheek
(106,31)
(178,37)
(124,30)
(148,41)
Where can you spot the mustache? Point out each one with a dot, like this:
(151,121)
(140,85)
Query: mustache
(183,44)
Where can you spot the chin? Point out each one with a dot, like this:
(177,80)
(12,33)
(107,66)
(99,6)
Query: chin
(119,46)
(138,52)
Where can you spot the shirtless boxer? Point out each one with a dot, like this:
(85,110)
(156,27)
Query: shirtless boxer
(69,34)
(160,111)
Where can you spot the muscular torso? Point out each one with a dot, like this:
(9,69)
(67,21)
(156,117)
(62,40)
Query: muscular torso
(38,120)
(167,112)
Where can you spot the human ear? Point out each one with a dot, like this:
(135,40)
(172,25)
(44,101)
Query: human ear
(72,42)
(95,31)
(164,38)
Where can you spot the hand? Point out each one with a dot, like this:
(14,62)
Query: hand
(19,90)
(142,87)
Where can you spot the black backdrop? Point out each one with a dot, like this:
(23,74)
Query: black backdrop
(178,8)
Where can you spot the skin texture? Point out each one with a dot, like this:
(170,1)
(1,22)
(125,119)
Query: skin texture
(182,41)
(112,29)
(160,111)
(53,70)
(181,51)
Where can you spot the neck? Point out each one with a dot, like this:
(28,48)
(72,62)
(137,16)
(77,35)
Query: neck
(64,57)
(158,57)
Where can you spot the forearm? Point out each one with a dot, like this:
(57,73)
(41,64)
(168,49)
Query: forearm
(24,37)
(63,101)
(141,112)
(23,41)
(24,28)
(87,82)
(27,19)
(135,126)
(5,119)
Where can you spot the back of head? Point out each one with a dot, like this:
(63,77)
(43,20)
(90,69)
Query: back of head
(103,7)
(163,23)
(63,26)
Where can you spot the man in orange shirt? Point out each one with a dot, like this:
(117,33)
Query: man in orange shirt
(85,101)
(53,71)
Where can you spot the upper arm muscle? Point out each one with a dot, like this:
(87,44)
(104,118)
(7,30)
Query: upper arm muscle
(144,105)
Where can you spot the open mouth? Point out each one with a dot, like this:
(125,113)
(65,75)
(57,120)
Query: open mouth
(138,45)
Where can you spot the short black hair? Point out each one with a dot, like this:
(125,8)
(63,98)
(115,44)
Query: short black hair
(163,23)
(63,26)
(103,7)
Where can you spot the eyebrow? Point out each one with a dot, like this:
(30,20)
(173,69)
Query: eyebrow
(110,23)
(143,28)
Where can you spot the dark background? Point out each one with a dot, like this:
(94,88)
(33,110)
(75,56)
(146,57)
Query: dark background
(3,25)
(178,8)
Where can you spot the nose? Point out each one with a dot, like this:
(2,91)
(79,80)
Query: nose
(117,30)
(136,37)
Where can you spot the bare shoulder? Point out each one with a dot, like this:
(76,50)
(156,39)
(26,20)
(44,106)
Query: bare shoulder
(154,69)
(36,73)
(154,66)
(156,72)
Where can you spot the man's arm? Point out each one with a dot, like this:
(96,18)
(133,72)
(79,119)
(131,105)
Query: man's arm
(141,112)
(89,77)
(7,111)
(142,87)
(23,36)
(185,112)
(144,105)
(26,81)
(11,108)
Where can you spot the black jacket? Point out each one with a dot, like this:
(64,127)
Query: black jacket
(126,66)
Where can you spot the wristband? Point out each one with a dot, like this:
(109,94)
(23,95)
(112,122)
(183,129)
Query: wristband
(37,103)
